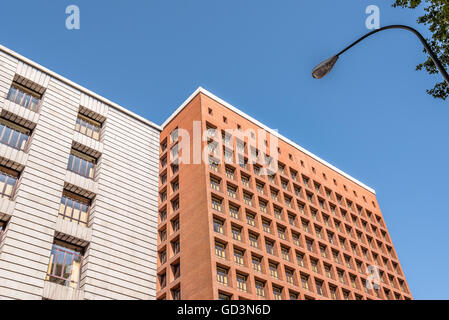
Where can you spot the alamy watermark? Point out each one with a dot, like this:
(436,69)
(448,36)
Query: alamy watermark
(372,22)
(73,21)
(215,147)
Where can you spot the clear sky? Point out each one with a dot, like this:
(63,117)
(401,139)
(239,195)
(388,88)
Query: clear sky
(371,117)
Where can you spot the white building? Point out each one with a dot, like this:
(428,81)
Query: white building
(78,190)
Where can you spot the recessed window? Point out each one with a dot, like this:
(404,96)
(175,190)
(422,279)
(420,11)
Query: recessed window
(241,282)
(8,180)
(24,96)
(222,276)
(65,264)
(82,164)
(88,126)
(74,208)
(13,135)
(220,250)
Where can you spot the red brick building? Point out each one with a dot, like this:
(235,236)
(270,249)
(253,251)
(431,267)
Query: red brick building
(303,230)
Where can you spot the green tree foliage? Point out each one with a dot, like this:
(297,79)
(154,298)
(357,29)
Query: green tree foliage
(436,18)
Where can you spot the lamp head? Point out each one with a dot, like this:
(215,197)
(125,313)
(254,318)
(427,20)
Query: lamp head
(324,67)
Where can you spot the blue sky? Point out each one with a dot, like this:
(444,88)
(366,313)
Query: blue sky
(371,117)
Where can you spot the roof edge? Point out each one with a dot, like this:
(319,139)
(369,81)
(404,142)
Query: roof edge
(78,87)
(258,123)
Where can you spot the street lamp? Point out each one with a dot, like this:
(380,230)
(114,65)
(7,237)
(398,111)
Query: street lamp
(326,66)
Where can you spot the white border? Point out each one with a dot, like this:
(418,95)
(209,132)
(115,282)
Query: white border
(241,113)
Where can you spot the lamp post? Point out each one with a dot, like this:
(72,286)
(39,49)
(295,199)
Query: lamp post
(326,66)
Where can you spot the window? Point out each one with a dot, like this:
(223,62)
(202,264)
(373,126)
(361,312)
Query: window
(305,282)
(292,219)
(341,276)
(300,259)
(253,240)
(176,269)
(284,184)
(240,146)
(162,280)
(305,226)
(218,226)
(74,208)
(23,96)
(236,234)
(65,264)
(294,296)
(327,271)
(239,257)
(323,251)
(250,219)
(285,253)
(176,247)
(260,187)
(309,244)
(266,225)
(319,287)
(274,195)
(163,256)
(269,245)
(234,211)
(230,173)
(163,235)
(281,233)
(222,276)
(215,183)
(216,204)
(232,192)
(278,213)
(175,204)
(241,283)
(245,181)
(174,135)
(81,164)
(88,127)
(13,135)
(2,229)
(164,145)
(263,206)
(289,276)
(213,164)
(248,199)
(8,179)
(333,292)
(257,263)
(222,296)
(175,186)
(176,294)
(295,238)
(314,265)
(260,289)
(220,250)
(229,155)
(277,293)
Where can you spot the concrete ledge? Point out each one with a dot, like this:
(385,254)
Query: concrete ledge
(87,144)
(73,229)
(81,182)
(6,207)
(55,291)
(27,117)
(17,156)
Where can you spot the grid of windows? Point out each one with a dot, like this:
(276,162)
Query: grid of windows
(315,222)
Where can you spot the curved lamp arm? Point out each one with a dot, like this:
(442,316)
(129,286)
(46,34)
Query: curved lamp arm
(326,66)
